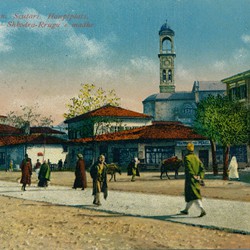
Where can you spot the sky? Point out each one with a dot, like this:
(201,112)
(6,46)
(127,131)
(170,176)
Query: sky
(114,44)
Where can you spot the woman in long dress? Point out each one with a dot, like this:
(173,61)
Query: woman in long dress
(233,169)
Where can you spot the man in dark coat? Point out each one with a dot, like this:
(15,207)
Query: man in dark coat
(44,175)
(26,168)
(80,173)
(194,174)
(98,173)
(133,168)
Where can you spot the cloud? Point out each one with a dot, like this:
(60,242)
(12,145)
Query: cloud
(82,45)
(240,55)
(77,43)
(219,65)
(143,64)
(245,38)
(184,78)
(5,44)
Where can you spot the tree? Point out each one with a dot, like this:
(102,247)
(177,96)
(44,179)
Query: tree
(232,127)
(223,121)
(28,116)
(204,114)
(90,98)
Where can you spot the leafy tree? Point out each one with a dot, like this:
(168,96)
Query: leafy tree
(202,125)
(28,116)
(223,121)
(89,98)
(232,127)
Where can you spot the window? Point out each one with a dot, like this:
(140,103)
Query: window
(238,93)
(239,151)
(164,75)
(188,109)
(232,93)
(154,155)
(124,155)
(242,92)
(170,75)
(166,45)
(88,156)
(2,158)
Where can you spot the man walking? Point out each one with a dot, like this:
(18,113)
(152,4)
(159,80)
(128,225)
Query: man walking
(194,173)
(133,168)
(98,173)
(26,168)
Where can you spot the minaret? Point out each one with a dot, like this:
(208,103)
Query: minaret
(166,56)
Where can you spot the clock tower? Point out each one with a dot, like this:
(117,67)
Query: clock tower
(166,56)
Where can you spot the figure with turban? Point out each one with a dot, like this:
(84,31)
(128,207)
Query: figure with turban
(194,174)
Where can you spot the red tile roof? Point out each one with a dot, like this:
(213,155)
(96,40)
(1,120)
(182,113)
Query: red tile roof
(166,131)
(109,111)
(44,130)
(29,139)
(9,130)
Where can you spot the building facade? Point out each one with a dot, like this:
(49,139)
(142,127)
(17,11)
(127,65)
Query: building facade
(169,105)
(40,143)
(151,144)
(106,119)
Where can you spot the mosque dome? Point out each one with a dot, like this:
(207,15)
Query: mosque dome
(165,30)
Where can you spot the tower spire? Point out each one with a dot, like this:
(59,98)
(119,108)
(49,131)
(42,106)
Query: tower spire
(166,56)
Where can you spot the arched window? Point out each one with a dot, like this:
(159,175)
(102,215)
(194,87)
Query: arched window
(188,109)
(164,77)
(166,45)
(170,75)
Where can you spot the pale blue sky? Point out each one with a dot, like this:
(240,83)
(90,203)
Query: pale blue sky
(120,50)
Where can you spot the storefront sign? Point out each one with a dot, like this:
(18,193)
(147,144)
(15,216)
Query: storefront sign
(196,143)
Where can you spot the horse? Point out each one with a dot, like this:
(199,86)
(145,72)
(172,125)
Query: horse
(170,164)
(112,169)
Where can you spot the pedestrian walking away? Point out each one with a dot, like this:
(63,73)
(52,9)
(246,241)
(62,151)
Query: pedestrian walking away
(194,174)
(133,168)
(26,168)
(80,174)
(98,173)
(44,175)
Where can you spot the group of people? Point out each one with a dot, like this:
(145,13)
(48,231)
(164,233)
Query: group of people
(194,176)
(98,173)
(42,171)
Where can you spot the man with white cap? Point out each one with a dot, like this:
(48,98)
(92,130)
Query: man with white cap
(133,168)
(194,173)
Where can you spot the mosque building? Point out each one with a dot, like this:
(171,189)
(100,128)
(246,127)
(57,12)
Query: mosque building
(169,105)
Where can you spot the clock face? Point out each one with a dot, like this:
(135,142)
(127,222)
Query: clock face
(166,62)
